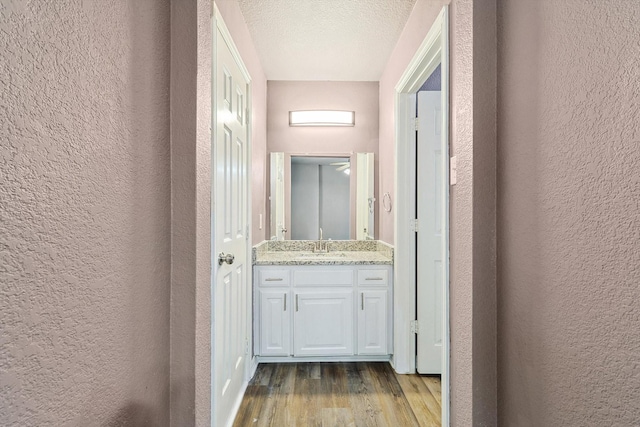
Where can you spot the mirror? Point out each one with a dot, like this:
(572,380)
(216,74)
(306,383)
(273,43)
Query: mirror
(310,192)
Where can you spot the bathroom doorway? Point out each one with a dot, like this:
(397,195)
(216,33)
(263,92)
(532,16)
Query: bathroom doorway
(421,324)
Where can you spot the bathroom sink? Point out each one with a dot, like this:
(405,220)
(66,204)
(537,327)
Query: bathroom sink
(322,255)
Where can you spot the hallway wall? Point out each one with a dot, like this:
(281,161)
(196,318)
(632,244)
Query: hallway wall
(472,25)
(84,213)
(569,213)
(191,60)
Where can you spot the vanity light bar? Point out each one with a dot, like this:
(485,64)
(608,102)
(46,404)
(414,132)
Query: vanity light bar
(322,118)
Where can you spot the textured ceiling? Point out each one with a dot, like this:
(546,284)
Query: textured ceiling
(325,39)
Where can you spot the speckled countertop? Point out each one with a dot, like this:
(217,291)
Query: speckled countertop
(341,252)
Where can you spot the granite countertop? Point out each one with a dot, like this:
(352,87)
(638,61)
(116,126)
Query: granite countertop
(341,252)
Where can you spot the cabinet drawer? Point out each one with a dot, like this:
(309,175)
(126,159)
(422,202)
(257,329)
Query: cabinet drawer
(274,277)
(323,277)
(373,277)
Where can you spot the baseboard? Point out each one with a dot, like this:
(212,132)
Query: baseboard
(253,367)
(236,405)
(285,359)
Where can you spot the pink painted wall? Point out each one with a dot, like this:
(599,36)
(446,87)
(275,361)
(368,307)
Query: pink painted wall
(414,32)
(85,213)
(190,229)
(569,213)
(361,97)
(472,200)
(285,96)
(191,180)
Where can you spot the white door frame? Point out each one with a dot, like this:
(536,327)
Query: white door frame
(434,50)
(218,24)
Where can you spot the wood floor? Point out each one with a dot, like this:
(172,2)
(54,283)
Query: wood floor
(338,394)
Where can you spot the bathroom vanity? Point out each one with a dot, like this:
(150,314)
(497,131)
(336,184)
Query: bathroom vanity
(328,305)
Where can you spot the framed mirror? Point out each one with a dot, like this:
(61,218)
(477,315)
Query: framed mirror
(333,193)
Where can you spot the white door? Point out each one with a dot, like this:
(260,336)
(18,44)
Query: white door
(372,321)
(323,323)
(275,322)
(277,196)
(431,205)
(231,231)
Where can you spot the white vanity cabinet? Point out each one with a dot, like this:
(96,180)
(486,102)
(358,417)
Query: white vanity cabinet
(320,312)
(373,311)
(272,300)
(323,323)
(275,322)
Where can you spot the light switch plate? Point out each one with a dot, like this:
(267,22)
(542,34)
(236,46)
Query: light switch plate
(453,170)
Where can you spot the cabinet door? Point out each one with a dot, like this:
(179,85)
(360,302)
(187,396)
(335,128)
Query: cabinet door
(323,323)
(275,322)
(372,322)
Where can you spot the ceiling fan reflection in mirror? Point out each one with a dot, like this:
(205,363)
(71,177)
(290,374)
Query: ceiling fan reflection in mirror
(342,166)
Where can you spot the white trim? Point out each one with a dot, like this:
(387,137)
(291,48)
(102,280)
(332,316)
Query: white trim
(236,406)
(250,370)
(446,91)
(212,168)
(433,50)
(425,59)
(226,35)
(315,359)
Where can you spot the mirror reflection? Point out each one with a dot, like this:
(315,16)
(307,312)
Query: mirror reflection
(319,196)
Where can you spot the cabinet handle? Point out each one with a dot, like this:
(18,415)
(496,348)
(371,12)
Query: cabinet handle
(273,279)
(296,302)
(285,302)
(362,300)
(373,278)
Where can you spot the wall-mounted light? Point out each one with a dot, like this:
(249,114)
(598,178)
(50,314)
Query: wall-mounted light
(322,118)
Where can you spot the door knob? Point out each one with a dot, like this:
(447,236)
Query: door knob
(228,258)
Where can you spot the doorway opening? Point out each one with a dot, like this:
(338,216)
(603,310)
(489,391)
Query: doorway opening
(422,215)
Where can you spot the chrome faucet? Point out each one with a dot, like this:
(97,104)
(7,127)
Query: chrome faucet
(318,247)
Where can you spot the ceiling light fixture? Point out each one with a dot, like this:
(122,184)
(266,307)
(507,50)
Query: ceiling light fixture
(322,118)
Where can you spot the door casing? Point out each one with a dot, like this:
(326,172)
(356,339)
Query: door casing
(434,50)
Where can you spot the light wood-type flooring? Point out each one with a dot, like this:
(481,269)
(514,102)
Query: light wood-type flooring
(339,395)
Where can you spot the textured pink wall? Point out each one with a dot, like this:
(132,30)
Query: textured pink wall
(569,213)
(203,223)
(473,199)
(190,220)
(485,382)
(191,60)
(84,208)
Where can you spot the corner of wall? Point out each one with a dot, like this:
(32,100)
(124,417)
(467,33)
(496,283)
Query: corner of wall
(484,212)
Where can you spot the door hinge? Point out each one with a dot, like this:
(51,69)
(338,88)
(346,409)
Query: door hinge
(416,123)
(413,225)
(414,326)
(453,170)
(246,234)
(246,346)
